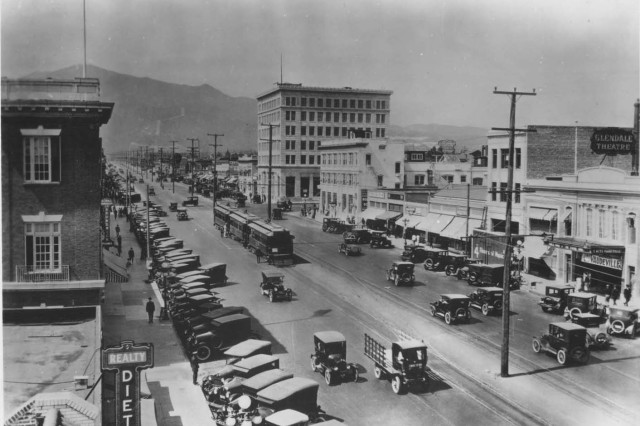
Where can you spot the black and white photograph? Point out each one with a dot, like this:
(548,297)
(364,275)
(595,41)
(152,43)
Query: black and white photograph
(336,212)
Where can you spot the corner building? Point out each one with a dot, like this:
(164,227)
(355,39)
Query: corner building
(303,117)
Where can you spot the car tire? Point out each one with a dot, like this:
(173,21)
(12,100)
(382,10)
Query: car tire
(203,353)
(378,373)
(536,345)
(617,326)
(396,385)
(447,318)
(462,313)
(473,278)
(328,377)
(449,270)
(561,356)
(573,312)
(600,338)
(485,309)
(428,264)
(354,373)
(314,364)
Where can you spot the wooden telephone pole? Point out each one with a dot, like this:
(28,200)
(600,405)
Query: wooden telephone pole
(215,170)
(504,366)
(193,158)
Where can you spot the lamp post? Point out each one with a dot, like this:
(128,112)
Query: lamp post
(404,231)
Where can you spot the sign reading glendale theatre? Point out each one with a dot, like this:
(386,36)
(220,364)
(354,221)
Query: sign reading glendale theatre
(612,141)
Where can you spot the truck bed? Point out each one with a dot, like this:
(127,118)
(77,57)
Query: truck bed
(377,353)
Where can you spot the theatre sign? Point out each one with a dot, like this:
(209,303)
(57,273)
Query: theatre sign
(612,141)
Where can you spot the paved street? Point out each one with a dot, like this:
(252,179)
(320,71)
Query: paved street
(351,294)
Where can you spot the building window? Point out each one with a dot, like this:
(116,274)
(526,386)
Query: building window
(312,143)
(312,116)
(303,115)
(494,189)
(503,191)
(320,116)
(345,117)
(344,103)
(41,155)
(352,103)
(42,246)
(293,159)
(303,145)
(477,181)
(311,159)
(336,117)
(328,117)
(320,130)
(303,130)
(368,104)
(518,158)
(336,103)
(380,180)
(504,158)
(312,131)
(327,131)
(321,102)
(367,118)
(303,102)
(463,179)
(336,131)
(589,223)
(344,132)
(382,132)
(517,194)
(494,158)
(419,179)
(601,224)
(615,220)
(303,159)
(631,225)
(312,102)
(397,167)
(318,160)
(367,159)
(293,144)
(417,156)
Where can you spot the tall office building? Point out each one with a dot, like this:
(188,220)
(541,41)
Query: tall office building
(302,117)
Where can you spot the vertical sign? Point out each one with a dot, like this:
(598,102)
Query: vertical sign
(127,359)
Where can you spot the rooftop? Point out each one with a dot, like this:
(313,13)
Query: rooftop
(298,87)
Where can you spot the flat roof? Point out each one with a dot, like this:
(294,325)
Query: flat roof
(298,87)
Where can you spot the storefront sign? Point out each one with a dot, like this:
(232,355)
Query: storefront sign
(612,141)
(392,196)
(602,261)
(127,359)
(607,250)
(376,194)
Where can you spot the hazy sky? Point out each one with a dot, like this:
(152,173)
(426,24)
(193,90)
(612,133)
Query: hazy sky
(442,58)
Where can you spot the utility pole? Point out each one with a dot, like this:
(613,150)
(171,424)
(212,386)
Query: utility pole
(271,126)
(193,140)
(173,165)
(160,172)
(215,171)
(467,247)
(146,162)
(506,278)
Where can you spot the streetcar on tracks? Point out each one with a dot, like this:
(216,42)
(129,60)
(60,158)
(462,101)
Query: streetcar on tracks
(221,215)
(272,241)
(239,225)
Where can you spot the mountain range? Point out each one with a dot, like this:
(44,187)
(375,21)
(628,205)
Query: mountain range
(152,112)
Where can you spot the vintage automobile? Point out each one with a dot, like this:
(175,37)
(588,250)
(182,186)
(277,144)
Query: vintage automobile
(277,214)
(623,321)
(217,271)
(191,302)
(349,249)
(221,385)
(555,298)
(200,277)
(401,273)
(486,275)
(297,393)
(405,364)
(183,294)
(379,240)
(567,341)
(596,335)
(580,302)
(173,207)
(330,356)
(435,260)
(255,384)
(284,204)
(190,201)
(247,348)
(487,300)
(357,236)
(452,307)
(453,262)
(272,285)
(193,319)
(181,214)
(152,191)
(217,334)
(287,417)
(334,226)
(414,253)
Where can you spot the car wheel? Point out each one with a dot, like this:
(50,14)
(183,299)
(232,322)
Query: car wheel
(328,377)
(377,372)
(324,228)
(447,318)
(536,345)
(397,385)
(354,373)
(314,363)
(485,309)
(448,270)
(580,354)
(545,309)
(433,311)
(561,356)
(203,353)
(573,312)
(497,305)
(271,297)
(428,264)
(600,338)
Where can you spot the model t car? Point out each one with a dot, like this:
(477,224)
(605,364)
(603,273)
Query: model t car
(333,225)
(405,363)
(487,300)
(357,236)
(623,321)
(284,204)
(596,336)
(435,260)
(486,275)
(190,201)
(349,249)
(181,214)
(555,298)
(217,334)
(401,273)
(272,285)
(330,357)
(152,190)
(581,302)
(567,341)
(173,207)
(452,307)
(378,240)
(414,253)
(453,262)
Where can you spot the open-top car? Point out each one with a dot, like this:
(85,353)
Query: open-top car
(284,204)
(330,357)
(581,302)
(190,201)
(436,258)
(567,341)
(555,298)
(357,236)
(452,307)
(272,285)
(596,335)
(623,321)
(487,300)
(349,249)
(401,273)
(379,240)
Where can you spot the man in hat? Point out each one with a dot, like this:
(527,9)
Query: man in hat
(151,308)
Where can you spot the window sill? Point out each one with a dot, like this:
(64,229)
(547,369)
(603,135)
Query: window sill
(40,183)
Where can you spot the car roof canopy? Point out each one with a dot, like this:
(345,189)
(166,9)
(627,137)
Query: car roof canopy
(454,296)
(330,336)
(567,326)
(286,388)
(265,379)
(287,417)
(254,362)
(272,274)
(247,347)
(410,344)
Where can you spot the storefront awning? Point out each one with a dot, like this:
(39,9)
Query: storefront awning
(435,223)
(371,213)
(412,220)
(584,246)
(458,227)
(543,214)
(388,215)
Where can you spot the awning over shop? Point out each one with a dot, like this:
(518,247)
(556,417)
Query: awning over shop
(458,227)
(543,214)
(435,223)
(388,215)
(371,213)
(412,220)
(584,246)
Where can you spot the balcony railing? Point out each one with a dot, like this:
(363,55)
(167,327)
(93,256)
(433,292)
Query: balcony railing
(29,274)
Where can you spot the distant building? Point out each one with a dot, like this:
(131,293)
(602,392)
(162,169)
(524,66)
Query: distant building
(248,175)
(303,118)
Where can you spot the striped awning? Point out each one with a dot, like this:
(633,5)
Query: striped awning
(542,213)
(371,213)
(412,220)
(435,223)
(389,215)
(458,227)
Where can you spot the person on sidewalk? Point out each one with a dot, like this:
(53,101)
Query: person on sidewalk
(615,294)
(607,293)
(132,255)
(117,230)
(627,295)
(195,366)
(115,213)
(119,238)
(151,308)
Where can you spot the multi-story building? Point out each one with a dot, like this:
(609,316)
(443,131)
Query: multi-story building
(302,118)
(247,175)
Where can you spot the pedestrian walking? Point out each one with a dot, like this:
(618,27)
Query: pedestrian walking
(607,293)
(151,308)
(627,295)
(587,282)
(115,213)
(132,255)
(615,294)
(258,255)
(117,230)
(195,366)
(119,238)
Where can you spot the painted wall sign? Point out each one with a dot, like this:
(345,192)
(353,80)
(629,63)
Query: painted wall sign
(607,262)
(127,359)
(612,141)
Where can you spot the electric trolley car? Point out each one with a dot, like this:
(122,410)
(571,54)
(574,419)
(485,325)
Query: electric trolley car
(273,241)
(221,215)
(239,225)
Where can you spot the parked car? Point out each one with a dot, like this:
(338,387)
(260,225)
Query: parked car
(219,333)
(379,240)
(246,349)
(596,332)
(453,262)
(401,273)
(435,260)
(357,236)
(580,302)
(189,318)
(190,201)
(333,225)
(152,191)
(567,341)
(287,417)
(297,393)
(405,364)
(414,253)
(260,381)
(330,357)
(272,285)
(284,205)
(555,298)
(487,300)
(452,307)
(349,249)
(217,271)
(191,302)
(623,321)
(482,274)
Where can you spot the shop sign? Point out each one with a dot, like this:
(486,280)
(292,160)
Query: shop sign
(395,196)
(376,194)
(607,262)
(607,250)
(612,141)
(127,360)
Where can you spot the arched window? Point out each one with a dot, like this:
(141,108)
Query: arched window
(568,221)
